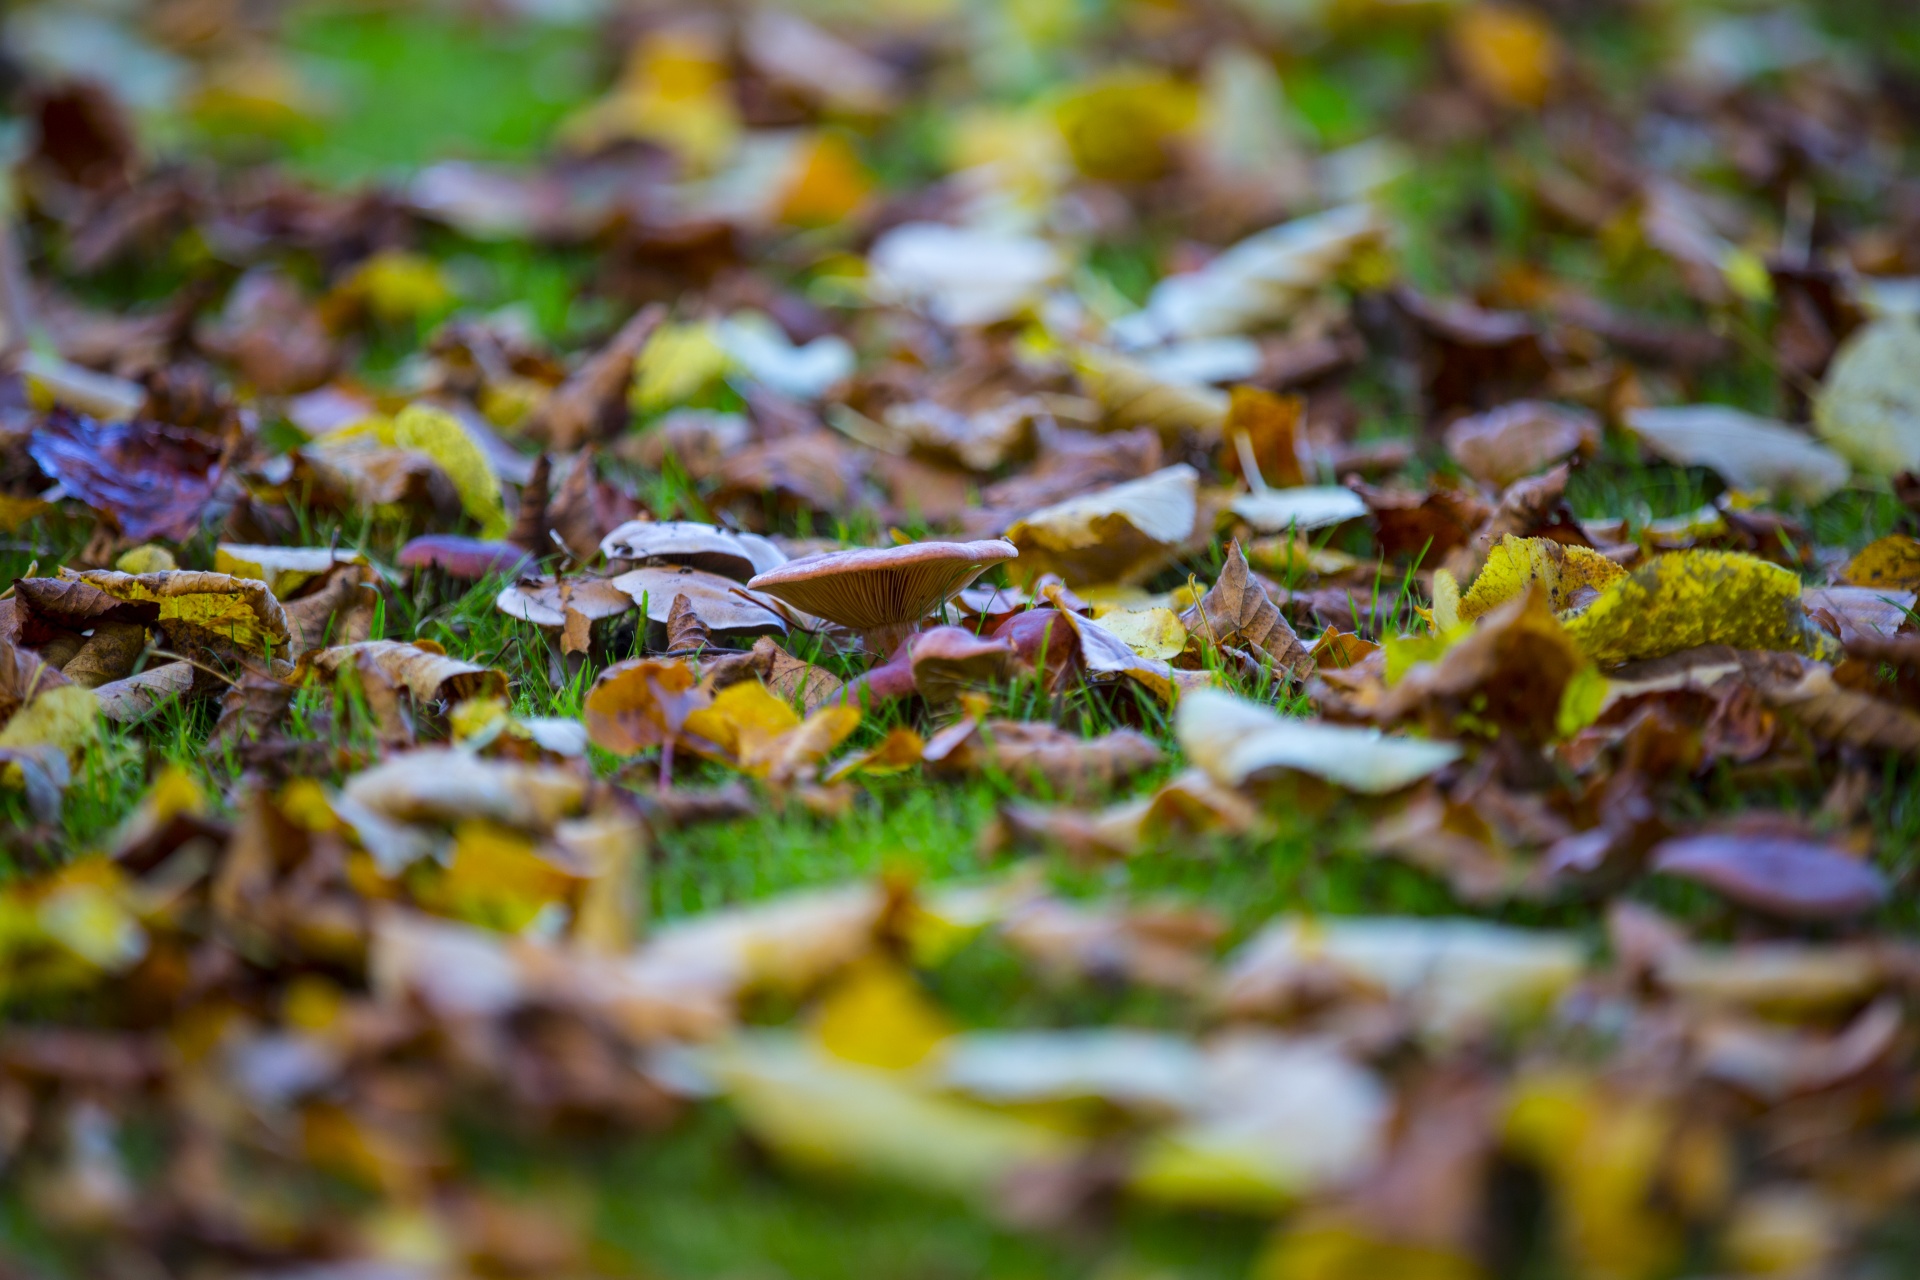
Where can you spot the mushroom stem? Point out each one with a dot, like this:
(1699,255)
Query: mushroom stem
(884,642)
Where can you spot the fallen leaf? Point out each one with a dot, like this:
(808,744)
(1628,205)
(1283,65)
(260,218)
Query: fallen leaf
(1691,598)
(641,703)
(1869,406)
(154,480)
(1780,875)
(1237,611)
(1750,453)
(1119,534)
(1516,440)
(1238,742)
(1891,563)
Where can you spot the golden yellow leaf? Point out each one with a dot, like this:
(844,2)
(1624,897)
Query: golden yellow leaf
(16,510)
(1602,1153)
(1516,562)
(1891,563)
(743,718)
(496,878)
(1511,55)
(829,183)
(197,606)
(1336,1251)
(876,1015)
(1690,598)
(439,435)
(394,286)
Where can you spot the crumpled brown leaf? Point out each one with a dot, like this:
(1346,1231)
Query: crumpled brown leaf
(154,480)
(1237,612)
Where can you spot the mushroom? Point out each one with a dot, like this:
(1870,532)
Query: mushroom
(723,604)
(704,546)
(881,592)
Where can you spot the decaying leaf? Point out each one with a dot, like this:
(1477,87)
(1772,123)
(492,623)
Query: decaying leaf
(1119,534)
(1890,563)
(1236,611)
(420,667)
(1691,598)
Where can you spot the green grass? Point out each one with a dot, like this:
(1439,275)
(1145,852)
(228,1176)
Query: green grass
(411,85)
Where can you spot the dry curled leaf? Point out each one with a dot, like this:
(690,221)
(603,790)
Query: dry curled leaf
(1237,612)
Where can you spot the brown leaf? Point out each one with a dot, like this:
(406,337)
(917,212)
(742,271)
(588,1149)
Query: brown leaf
(339,610)
(1775,872)
(272,335)
(109,654)
(1237,612)
(640,703)
(1036,751)
(686,633)
(1837,714)
(530,522)
(1431,525)
(1274,430)
(422,668)
(591,403)
(154,480)
(1516,440)
(1510,673)
(253,706)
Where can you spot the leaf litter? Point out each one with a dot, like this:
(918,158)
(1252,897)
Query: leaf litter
(1376,544)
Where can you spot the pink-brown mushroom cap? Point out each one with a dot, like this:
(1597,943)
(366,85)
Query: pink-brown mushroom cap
(879,591)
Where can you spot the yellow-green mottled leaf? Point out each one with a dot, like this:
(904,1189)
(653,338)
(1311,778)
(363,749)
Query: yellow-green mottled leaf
(1516,562)
(1691,598)
(439,435)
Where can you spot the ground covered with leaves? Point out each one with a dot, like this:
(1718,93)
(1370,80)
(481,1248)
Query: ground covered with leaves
(943,638)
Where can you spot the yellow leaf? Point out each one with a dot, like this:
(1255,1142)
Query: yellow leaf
(147,558)
(242,612)
(783,757)
(877,1016)
(898,751)
(439,435)
(1516,562)
(1891,563)
(175,792)
(678,363)
(1691,598)
(16,511)
(1869,406)
(1335,1251)
(497,878)
(1151,633)
(742,719)
(673,91)
(1509,54)
(1117,127)
(66,717)
(397,286)
(1601,1152)
(829,183)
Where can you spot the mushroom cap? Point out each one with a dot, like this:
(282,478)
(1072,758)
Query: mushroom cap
(873,588)
(723,604)
(704,546)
